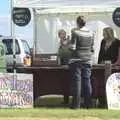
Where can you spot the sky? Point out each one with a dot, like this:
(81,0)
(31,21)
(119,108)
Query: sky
(5,23)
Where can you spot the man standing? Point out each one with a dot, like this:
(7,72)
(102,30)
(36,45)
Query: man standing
(80,64)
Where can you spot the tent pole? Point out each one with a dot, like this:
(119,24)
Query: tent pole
(13,37)
(34,33)
(11,7)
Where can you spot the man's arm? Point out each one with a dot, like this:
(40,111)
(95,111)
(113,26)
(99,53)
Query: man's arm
(73,39)
(92,49)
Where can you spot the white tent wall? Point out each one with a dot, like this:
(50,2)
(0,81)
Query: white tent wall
(48,25)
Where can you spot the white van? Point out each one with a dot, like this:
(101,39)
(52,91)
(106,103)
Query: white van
(23,57)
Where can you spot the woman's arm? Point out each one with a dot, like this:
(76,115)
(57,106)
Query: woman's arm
(101,53)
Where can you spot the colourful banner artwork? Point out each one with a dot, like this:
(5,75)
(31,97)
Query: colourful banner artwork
(16,91)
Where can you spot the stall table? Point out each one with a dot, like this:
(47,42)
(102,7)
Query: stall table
(57,80)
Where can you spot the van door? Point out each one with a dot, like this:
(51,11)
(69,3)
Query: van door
(2,57)
(9,51)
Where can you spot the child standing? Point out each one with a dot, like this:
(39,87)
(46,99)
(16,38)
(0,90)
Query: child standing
(64,52)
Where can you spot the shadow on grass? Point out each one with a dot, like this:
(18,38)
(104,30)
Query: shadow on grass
(56,101)
(51,101)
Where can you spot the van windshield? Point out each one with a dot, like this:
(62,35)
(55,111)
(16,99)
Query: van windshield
(9,46)
(26,47)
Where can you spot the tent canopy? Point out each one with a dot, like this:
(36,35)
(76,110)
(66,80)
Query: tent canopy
(47,20)
(65,3)
(68,6)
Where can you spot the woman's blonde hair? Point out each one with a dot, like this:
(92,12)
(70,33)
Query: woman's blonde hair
(109,32)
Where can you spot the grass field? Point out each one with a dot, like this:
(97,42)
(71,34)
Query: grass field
(50,110)
(59,114)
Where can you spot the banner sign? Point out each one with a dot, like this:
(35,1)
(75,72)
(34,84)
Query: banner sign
(113,91)
(16,91)
(21,16)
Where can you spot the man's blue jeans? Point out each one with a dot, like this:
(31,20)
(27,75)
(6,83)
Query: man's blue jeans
(81,73)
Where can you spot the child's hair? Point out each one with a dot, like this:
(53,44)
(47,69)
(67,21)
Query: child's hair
(60,31)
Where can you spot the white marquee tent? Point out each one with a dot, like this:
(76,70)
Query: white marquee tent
(52,15)
(62,3)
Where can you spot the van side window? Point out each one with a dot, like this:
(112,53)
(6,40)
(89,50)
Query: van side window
(26,47)
(9,46)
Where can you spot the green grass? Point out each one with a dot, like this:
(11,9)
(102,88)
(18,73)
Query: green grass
(60,113)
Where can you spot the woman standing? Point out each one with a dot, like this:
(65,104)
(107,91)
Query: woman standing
(109,51)
(110,47)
